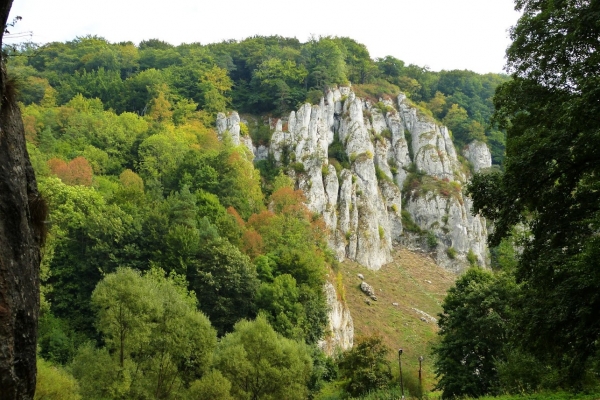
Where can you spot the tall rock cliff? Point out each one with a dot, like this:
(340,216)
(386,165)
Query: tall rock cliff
(399,178)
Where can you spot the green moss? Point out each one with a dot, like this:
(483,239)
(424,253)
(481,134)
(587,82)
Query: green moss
(384,108)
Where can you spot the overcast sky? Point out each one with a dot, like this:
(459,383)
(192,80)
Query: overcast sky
(441,34)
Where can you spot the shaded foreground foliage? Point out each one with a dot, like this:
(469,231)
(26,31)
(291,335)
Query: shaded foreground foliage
(545,210)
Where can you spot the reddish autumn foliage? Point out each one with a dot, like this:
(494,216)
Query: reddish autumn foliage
(286,198)
(252,244)
(57,166)
(263,219)
(240,221)
(77,172)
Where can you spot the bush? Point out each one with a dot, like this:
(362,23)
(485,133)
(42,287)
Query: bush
(408,224)
(244,129)
(431,240)
(451,252)
(298,167)
(381,232)
(472,258)
(381,176)
(336,150)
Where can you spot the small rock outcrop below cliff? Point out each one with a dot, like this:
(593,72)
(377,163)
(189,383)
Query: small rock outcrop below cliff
(341,327)
(379,174)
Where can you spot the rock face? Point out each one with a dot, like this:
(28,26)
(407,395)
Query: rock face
(22,217)
(341,326)
(401,181)
(479,155)
(230,124)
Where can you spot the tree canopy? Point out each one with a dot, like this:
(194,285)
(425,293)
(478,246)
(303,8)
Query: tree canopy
(549,187)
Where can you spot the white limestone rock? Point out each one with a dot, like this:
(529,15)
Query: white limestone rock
(341,326)
(479,155)
(230,124)
(362,205)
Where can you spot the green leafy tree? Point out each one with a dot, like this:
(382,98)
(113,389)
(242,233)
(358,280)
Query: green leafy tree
(280,299)
(215,85)
(225,282)
(474,328)
(365,367)
(550,181)
(54,383)
(260,364)
(212,386)
(157,340)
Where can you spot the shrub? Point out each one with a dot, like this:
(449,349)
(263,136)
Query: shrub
(298,167)
(366,367)
(369,154)
(471,258)
(381,232)
(381,176)
(431,240)
(408,224)
(336,150)
(384,108)
(451,252)
(244,131)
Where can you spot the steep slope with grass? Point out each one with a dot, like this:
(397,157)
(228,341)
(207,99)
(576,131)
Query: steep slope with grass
(409,293)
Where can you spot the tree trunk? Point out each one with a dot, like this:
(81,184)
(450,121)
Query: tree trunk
(22,215)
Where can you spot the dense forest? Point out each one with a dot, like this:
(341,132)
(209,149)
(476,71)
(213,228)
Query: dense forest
(162,238)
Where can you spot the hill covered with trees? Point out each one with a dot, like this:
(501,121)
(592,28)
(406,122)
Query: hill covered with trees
(163,238)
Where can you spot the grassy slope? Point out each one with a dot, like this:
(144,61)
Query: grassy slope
(405,281)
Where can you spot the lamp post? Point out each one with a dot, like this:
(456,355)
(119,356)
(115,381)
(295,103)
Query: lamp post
(400,365)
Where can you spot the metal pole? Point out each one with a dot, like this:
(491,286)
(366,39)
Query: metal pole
(400,365)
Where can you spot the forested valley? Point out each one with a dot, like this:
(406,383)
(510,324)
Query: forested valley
(177,267)
(163,238)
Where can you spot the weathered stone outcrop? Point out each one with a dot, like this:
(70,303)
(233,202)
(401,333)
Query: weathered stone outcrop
(396,155)
(230,124)
(479,155)
(22,218)
(341,327)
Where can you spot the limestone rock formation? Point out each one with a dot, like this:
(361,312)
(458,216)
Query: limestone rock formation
(479,155)
(341,327)
(230,124)
(401,183)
